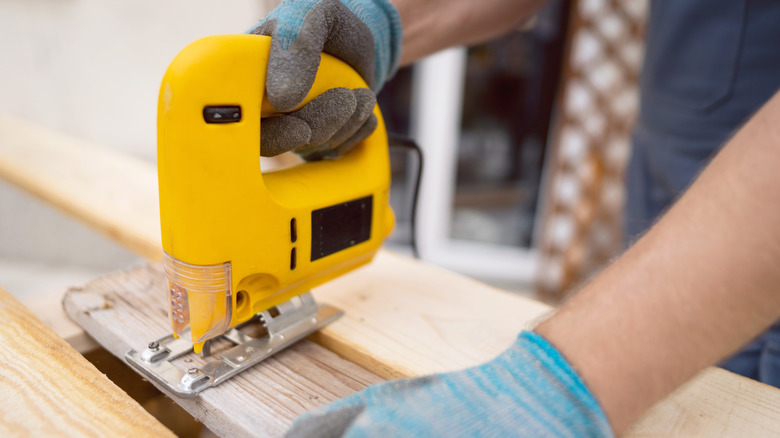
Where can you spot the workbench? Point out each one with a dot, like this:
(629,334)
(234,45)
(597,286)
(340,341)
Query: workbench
(403,317)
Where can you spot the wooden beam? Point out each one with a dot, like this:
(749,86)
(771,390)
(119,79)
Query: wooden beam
(112,193)
(47,388)
(403,317)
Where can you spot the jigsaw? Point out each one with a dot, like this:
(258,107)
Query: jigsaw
(243,246)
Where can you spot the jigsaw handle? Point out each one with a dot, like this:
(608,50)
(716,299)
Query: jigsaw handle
(332,73)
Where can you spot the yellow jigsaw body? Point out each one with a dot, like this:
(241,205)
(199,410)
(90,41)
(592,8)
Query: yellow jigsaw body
(238,241)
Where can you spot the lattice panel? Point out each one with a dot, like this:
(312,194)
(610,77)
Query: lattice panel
(591,143)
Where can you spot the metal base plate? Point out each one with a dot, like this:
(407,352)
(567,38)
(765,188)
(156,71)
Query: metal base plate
(285,324)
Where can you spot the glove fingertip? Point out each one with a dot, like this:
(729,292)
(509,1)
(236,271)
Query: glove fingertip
(334,151)
(290,75)
(282,134)
(366,96)
(361,134)
(327,113)
(366,101)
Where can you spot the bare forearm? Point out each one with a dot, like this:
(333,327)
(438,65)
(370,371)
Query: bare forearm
(432,25)
(700,284)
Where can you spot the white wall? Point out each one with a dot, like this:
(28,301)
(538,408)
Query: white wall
(92,68)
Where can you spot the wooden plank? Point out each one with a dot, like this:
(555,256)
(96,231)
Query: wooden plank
(406,318)
(403,317)
(49,389)
(49,311)
(127,309)
(113,193)
(716,403)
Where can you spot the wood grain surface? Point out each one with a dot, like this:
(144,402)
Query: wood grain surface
(407,318)
(714,404)
(127,309)
(49,389)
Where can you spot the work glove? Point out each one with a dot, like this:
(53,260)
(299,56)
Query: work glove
(366,34)
(529,390)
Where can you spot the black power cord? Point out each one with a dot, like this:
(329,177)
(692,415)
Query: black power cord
(403,142)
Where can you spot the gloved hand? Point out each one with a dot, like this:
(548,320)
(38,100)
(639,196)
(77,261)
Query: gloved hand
(366,34)
(529,390)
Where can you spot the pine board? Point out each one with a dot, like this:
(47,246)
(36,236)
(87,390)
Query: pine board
(49,389)
(715,404)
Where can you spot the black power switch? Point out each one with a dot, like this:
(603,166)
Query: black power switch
(222,114)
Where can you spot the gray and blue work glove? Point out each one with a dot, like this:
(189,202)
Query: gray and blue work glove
(366,34)
(529,390)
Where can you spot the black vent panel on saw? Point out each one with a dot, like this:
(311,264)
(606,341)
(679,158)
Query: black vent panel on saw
(340,226)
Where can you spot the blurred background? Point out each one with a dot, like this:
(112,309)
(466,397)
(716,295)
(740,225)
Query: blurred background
(525,137)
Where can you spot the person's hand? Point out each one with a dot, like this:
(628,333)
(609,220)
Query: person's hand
(529,390)
(366,34)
